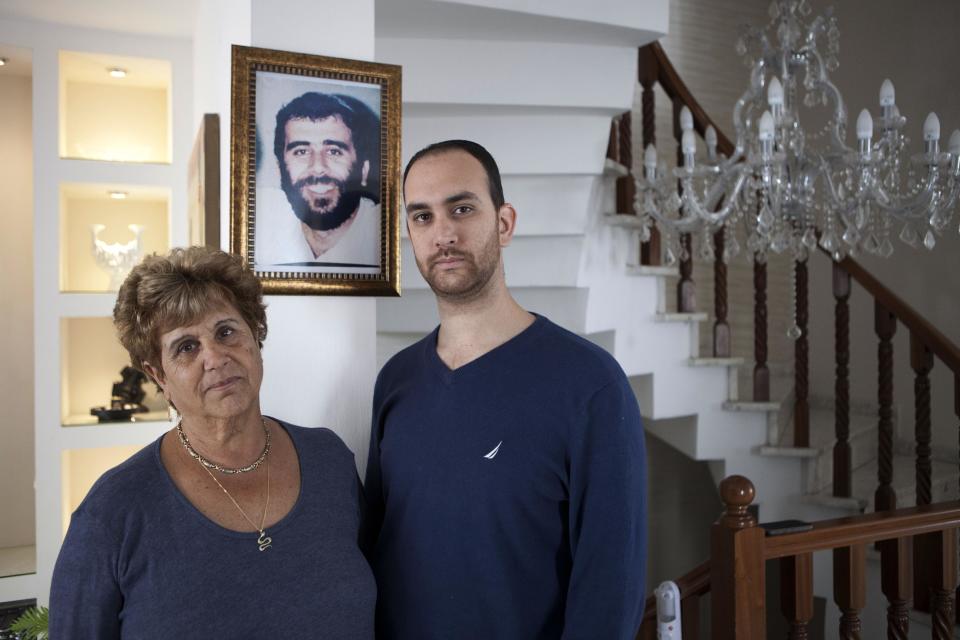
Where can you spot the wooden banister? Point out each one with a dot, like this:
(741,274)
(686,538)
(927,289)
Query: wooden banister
(929,335)
(692,585)
(677,90)
(865,529)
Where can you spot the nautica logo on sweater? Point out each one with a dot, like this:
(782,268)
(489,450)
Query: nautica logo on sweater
(493,453)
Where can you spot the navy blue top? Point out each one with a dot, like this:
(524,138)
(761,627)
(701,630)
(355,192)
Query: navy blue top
(506,498)
(140,561)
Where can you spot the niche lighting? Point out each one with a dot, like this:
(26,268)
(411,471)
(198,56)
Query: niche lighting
(118,195)
(3,62)
(117,72)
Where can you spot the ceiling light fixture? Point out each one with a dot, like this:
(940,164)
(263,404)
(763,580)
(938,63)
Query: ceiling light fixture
(117,72)
(118,195)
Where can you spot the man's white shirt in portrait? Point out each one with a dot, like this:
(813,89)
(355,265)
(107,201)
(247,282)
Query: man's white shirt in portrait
(280,244)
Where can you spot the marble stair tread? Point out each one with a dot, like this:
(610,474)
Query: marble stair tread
(681,317)
(823,429)
(787,452)
(864,483)
(751,405)
(715,362)
(614,169)
(652,270)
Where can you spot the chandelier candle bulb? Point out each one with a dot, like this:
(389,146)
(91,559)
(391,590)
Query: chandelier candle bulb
(710,137)
(686,119)
(650,162)
(688,145)
(931,133)
(775,98)
(864,133)
(955,151)
(888,98)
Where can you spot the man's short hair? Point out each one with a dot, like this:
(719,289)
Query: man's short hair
(363,123)
(475,150)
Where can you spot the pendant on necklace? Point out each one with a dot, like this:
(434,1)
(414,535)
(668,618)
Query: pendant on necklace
(264,541)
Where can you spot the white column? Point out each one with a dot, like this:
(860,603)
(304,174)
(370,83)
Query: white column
(320,353)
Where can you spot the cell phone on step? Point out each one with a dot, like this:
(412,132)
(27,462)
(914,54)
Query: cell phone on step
(782,527)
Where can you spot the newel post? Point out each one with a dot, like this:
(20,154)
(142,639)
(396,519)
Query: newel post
(737,571)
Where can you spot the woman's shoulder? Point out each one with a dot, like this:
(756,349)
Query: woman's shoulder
(317,440)
(125,483)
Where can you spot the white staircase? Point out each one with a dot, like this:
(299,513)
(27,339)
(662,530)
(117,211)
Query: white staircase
(541,101)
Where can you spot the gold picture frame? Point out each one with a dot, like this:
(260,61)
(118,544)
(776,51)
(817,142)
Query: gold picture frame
(315,206)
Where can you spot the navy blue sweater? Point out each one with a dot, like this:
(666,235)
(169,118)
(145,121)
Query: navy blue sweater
(507,498)
(140,561)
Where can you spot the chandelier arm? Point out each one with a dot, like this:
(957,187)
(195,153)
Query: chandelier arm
(753,92)
(716,217)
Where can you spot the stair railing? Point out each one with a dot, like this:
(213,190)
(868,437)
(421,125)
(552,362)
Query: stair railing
(927,344)
(740,548)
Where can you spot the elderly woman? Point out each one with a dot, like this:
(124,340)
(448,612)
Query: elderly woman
(231,524)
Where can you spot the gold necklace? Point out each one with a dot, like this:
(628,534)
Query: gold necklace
(264,541)
(209,464)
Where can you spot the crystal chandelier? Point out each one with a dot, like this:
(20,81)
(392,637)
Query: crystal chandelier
(792,188)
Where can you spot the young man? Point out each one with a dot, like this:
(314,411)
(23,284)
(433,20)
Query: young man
(327,150)
(506,479)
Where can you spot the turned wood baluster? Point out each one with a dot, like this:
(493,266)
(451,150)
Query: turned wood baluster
(737,572)
(841,450)
(924,549)
(796,593)
(921,360)
(944,583)
(896,572)
(761,373)
(721,329)
(849,564)
(647,71)
(686,291)
(885,498)
(801,367)
(625,185)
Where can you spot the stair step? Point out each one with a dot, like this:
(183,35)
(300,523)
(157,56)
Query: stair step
(788,452)
(647,270)
(864,482)
(614,169)
(749,405)
(681,317)
(716,362)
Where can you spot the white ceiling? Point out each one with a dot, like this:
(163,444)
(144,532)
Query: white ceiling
(170,18)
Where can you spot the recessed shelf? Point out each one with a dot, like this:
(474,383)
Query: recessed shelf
(90,362)
(99,223)
(103,117)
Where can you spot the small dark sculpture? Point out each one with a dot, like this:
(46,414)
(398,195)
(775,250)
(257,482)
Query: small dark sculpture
(126,398)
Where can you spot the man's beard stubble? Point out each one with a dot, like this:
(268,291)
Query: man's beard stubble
(330,215)
(479,272)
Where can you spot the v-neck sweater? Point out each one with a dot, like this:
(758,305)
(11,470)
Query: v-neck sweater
(507,498)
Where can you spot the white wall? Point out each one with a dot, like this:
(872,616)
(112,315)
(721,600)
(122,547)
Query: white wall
(16,323)
(320,353)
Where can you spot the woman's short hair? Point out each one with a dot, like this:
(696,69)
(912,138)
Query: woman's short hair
(178,289)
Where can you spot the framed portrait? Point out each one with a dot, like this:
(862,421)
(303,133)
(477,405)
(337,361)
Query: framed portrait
(315,172)
(203,184)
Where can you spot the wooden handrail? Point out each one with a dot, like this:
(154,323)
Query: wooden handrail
(865,529)
(676,89)
(928,334)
